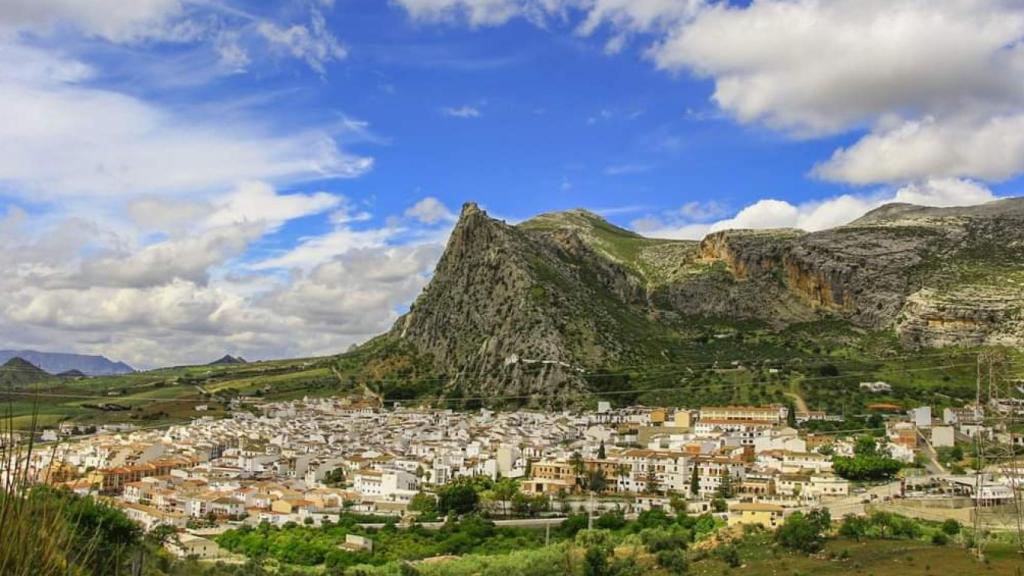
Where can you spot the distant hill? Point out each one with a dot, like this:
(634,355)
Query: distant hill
(72,374)
(20,372)
(57,362)
(228,359)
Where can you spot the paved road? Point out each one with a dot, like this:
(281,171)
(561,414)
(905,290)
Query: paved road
(932,464)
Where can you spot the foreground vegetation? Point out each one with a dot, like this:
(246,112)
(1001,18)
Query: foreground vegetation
(655,543)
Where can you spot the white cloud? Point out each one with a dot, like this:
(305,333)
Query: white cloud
(820,214)
(634,16)
(188,257)
(60,138)
(987,148)
(474,12)
(702,210)
(231,53)
(624,169)
(462,112)
(258,202)
(99,286)
(313,44)
(430,210)
(113,20)
(811,67)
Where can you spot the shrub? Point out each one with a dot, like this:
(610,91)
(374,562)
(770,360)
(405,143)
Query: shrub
(595,561)
(730,555)
(673,561)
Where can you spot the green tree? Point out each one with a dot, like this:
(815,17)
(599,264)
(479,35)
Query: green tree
(577,466)
(335,477)
(801,533)
(694,481)
(596,481)
(458,498)
(854,527)
(725,488)
(504,491)
(951,527)
(425,504)
(600,452)
(651,481)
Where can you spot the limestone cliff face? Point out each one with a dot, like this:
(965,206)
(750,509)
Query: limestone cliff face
(965,317)
(868,270)
(528,309)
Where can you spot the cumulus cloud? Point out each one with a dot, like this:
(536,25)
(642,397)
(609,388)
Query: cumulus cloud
(990,149)
(112,20)
(821,67)
(816,214)
(430,210)
(96,285)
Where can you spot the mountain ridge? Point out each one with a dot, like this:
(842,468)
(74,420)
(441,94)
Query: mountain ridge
(528,308)
(56,362)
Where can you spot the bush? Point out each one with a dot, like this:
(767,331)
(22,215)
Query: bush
(940,539)
(951,527)
(730,555)
(673,561)
(594,538)
(611,520)
(656,540)
(595,561)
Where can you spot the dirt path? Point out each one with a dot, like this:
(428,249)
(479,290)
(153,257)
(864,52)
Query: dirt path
(801,405)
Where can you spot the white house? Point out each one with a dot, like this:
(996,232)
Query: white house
(190,546)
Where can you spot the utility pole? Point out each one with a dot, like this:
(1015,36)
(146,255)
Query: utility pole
(590,512)
(978,465)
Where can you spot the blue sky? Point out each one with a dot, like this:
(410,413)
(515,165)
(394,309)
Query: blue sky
(185,178)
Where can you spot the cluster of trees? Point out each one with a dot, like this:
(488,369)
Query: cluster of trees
(868,462)
(309,546)
(470,495)
(893,526)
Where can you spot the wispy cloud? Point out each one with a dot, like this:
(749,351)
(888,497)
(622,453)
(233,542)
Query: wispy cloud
(623,169)
(464,111)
